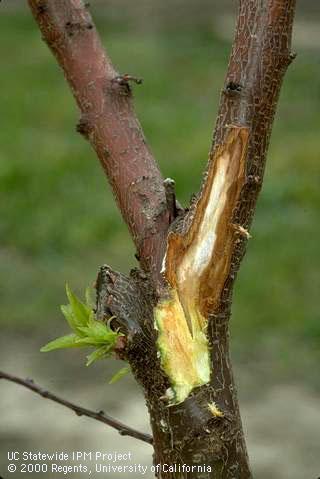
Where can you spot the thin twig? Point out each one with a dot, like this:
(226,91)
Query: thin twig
(169,186)
(80,411)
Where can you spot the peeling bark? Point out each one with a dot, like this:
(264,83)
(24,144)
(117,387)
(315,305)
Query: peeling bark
(196,266)
(189,299)
(196,262)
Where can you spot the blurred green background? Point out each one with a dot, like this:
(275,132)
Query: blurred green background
(59,221)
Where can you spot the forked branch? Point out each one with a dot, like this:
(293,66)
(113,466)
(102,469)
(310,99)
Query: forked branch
(204,248)
(79,410)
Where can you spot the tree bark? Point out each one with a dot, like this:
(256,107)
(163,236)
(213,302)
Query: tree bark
(108,121)
(175,310)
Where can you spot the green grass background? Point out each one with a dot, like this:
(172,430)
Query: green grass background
(59,221)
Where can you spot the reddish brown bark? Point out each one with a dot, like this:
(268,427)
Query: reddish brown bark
(108,121)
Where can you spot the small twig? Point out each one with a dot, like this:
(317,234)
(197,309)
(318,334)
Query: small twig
(80,411)
(126,78)
(169,186)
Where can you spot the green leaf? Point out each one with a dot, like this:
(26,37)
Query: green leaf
(69,341)
(68,314)
(88,332)
(98,354)
(92,319)
(81,312)
(122,372)
(89,300)
(98,333)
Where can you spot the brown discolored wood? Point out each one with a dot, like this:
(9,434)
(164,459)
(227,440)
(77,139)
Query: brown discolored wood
(209,285)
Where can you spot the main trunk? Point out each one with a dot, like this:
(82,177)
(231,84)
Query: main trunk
(197,438)
(201,437)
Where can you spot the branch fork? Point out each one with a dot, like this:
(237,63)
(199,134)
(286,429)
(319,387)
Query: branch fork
(190,259)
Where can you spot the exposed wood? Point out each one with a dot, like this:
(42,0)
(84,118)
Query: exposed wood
(196,262)
(196,266)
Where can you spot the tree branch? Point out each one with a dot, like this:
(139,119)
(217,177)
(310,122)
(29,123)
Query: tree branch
(260,55)
(189,352)
(204,252)
(108,121)
(80,411)
(259,58)
(205,248)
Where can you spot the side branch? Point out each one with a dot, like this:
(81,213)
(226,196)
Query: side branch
(108,121)
(80,411)
(260,55)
